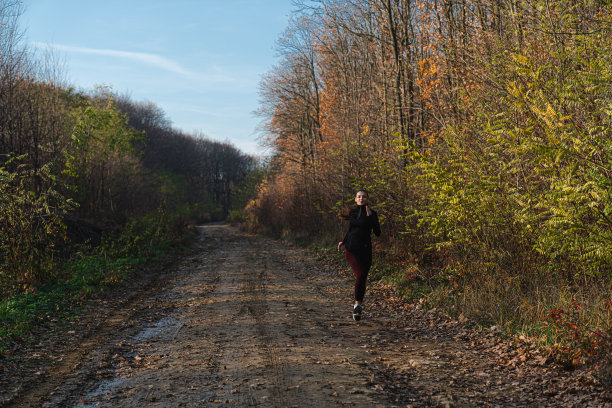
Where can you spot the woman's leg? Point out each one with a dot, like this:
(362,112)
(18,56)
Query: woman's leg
(360,263)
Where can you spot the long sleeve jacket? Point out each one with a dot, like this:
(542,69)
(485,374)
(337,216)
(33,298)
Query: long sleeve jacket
(358,236)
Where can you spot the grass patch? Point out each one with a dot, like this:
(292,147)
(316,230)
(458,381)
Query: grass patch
(572,319)
(86,275)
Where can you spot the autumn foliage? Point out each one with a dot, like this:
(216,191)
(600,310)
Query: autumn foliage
(482,130)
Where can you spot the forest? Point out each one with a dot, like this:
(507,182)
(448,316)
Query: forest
(482,131)
(92,184)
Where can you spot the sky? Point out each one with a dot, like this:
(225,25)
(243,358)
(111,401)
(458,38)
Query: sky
(200,61)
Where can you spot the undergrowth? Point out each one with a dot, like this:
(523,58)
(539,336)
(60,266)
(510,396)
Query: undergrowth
(573,324)
(88,274)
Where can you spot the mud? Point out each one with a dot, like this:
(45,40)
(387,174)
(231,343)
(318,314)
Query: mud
(245,321)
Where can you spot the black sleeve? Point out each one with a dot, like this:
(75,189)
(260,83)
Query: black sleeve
(375,224)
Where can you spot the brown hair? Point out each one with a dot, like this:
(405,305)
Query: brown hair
(344,212)
(363,190)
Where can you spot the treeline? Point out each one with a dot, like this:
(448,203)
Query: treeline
(80,167)
(482,130)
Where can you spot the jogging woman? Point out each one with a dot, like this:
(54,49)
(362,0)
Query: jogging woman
(358,244)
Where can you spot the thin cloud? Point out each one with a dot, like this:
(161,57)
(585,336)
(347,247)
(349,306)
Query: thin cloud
(216,75)
(146,58)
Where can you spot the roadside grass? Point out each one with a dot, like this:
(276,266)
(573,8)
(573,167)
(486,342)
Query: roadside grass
(86,275)
(571,320)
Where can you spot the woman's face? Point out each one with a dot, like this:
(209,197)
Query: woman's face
(361,198)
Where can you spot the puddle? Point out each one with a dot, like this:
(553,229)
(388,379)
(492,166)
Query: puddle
(105,389)
(163,327)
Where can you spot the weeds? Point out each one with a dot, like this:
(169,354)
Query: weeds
(86,275)
(577,332)
(577,343)
(90,275)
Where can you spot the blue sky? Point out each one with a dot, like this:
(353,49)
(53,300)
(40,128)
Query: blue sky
(199,60)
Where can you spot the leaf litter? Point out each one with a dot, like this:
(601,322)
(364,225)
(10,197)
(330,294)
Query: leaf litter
(248,321)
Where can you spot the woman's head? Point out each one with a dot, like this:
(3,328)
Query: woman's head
(362,197)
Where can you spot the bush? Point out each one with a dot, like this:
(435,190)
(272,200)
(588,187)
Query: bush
(30,226)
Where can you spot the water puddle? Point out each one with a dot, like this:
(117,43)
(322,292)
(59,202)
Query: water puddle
(166,327)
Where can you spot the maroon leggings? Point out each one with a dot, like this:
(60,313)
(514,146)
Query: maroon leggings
(360,262)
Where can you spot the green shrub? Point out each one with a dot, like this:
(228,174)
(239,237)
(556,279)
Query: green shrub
(30,225)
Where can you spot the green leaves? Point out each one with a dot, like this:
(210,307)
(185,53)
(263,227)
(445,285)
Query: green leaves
(30,224)
(101,126)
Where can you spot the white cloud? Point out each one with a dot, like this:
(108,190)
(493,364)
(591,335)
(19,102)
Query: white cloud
(146,58)
(226,78)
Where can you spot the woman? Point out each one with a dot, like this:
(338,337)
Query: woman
(358,243)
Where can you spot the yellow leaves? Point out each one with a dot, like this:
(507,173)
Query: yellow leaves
(547,114)
(556,125)
(595,195)
(553,122)
(550,112)
(520,202)
(366,129)
(520,59)
(515,90)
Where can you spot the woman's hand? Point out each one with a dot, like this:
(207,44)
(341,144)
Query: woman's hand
(368,211)
(340,245)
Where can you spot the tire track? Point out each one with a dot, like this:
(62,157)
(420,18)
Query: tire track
(231,333)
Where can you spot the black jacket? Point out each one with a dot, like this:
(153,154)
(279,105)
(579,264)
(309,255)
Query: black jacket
(358,236)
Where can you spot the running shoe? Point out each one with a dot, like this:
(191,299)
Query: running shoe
(356,312)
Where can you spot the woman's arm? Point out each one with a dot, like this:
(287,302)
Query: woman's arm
(375,224)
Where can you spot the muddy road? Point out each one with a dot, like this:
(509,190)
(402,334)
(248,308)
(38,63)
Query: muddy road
(245,321)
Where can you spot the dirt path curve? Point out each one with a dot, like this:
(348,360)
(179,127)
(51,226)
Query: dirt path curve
(249,322)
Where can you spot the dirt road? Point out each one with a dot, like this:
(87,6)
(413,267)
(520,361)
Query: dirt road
(250,322)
